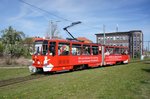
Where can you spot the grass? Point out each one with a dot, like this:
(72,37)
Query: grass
(7,73)
(131,81)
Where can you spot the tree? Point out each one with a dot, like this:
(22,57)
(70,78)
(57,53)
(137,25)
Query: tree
(12,43)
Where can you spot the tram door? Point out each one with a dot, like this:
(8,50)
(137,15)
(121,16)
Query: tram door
(63,54)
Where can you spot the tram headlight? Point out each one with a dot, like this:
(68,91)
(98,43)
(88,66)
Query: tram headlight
(32,69)
(38,62)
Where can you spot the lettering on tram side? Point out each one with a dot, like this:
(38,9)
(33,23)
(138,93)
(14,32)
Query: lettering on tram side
(87,59)
(114,57)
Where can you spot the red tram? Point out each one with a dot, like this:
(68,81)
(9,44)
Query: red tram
(60,55)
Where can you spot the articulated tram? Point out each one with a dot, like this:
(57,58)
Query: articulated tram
(62,55)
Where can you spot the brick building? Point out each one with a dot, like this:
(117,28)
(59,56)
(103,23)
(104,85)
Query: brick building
(132,39)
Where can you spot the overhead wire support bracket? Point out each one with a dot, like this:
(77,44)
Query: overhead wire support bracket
(66,29)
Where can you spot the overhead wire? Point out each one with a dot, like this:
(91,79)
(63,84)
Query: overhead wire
(44,10)
(56,15)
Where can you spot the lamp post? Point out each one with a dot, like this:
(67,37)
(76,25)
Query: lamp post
(141,41)
(103,47)
(53,29)
(148,46)
(104,34)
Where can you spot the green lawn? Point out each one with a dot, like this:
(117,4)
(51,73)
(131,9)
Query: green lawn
(131,81)
(7,73)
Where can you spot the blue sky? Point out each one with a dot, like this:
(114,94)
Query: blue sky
(128,14)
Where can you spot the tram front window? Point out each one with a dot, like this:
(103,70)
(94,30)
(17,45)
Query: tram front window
(40,48)
(37,47)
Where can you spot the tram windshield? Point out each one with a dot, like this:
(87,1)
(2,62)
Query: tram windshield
(41,47)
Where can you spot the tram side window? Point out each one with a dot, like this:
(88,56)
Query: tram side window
(124,51)
(86,50)
(45,48)
(76,49)
(63,49)
(109,51)
(95,50)
(52,48)
(117,51)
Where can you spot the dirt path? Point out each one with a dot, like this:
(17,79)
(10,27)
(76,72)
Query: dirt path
(19,63)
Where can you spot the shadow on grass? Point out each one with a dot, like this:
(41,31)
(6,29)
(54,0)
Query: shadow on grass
(146,62)
(145,82)
(146,70)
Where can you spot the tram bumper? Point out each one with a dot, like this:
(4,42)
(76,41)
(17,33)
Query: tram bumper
(47,68)
(32,69)
(125,62)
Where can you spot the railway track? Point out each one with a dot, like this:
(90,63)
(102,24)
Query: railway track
(19,79)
